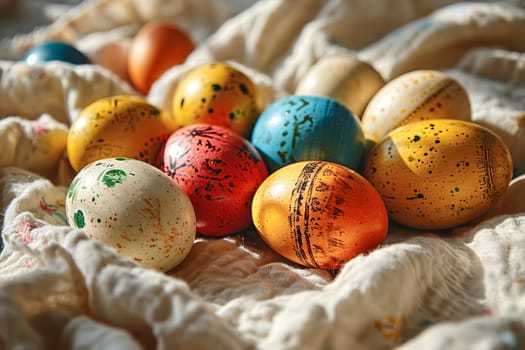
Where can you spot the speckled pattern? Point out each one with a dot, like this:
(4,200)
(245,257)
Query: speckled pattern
(319,214)
(220,171)
(413,96)
(297,128)
(134,208)
(119,126)
(218,94)
(437,174)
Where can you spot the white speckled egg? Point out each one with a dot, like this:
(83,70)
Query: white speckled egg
(417,95)
(344,78)
(135,208)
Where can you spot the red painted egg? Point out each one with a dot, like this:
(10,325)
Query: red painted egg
(220,171)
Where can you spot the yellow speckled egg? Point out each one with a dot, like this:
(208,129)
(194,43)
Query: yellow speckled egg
(119,126)
(217,94)
(134,208)
(438,174)
(344,78)
(319,214)
(418,95)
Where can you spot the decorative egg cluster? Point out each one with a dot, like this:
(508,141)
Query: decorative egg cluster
(217,94)
(155,48)
(318,174)
(134,208)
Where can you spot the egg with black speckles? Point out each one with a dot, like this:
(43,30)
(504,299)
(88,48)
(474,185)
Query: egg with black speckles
(319,214)
(217,94)
(297,128)
(134,208)
(118,126)
(439,174)
(220,171)
(344,78)
(414,96)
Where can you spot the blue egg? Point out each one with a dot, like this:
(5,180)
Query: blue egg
(297,128)
(55,51)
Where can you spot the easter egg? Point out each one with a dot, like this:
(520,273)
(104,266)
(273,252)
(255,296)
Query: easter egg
(417,95)
(297,128)
(119,126)
(319,214)
(344,78)
(438,174)
(220,171)
(114,57)
(134,208)
(55,51)
(217,94)
(157,46)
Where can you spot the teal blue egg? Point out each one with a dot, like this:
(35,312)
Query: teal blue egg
(55,51)
(297,128)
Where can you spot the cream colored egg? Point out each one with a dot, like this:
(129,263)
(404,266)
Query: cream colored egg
(417,95)
(344,78)
(438,174)
(134,208)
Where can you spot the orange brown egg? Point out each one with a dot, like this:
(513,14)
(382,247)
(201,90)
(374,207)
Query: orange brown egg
(157,46)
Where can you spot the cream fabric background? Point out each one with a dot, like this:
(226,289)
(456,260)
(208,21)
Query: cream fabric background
(60,290)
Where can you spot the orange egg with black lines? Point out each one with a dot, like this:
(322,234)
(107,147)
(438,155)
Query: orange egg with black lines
(319,214)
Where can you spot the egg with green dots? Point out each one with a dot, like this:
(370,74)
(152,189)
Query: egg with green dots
(134,208)
(217,94)
(439,174)
(118,126)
